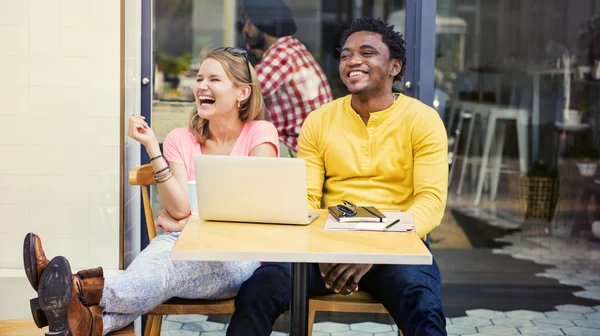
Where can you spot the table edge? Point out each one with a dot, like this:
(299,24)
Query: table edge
(392,259)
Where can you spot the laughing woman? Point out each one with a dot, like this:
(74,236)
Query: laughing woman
(228,121)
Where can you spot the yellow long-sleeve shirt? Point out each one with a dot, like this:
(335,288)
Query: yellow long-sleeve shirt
(398,161)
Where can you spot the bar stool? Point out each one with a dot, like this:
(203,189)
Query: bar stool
(495,134)
(467,110)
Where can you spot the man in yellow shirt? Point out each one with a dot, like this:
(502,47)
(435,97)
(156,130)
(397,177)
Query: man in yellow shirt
(376,148)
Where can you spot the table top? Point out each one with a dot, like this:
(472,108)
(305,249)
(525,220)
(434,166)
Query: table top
(561,126)
(229,241)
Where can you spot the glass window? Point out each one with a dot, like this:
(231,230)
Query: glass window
(517,84)
(183,27)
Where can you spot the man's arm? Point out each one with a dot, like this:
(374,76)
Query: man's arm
(430,172)
(308,149)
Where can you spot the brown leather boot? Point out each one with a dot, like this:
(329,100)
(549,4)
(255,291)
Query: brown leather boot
(35,261)
(97,272)
(89,290)
(60,301)
(97,317)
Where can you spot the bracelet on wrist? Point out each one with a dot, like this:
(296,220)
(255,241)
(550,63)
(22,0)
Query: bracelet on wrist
(160,171)
(158,156)
(163,179)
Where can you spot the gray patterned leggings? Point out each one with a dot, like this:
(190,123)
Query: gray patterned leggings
(153,278)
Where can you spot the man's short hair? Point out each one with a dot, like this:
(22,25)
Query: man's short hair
(391,38)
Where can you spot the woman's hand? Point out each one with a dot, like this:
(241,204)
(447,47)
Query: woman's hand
(169,224)
(139,130)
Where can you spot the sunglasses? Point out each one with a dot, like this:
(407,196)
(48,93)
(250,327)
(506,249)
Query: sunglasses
(347,209)
(238,52)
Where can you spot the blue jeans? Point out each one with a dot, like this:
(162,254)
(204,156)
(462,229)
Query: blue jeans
(411,293)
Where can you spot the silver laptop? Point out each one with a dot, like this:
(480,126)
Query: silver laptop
(252,189)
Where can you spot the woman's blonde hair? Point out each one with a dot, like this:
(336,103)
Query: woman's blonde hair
(236,67)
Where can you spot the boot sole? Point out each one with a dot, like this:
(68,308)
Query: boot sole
(55,292)
(29,260)
(37,313)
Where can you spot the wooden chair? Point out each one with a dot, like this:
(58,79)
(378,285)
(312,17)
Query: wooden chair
(142,176)
(359,302)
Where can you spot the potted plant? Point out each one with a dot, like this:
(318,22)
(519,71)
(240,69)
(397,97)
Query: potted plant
(585,156)
(172,66)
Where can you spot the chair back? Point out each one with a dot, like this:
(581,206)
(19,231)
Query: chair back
(143,177)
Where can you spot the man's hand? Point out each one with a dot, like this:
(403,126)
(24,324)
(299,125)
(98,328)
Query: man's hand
(343,278)
(168,223)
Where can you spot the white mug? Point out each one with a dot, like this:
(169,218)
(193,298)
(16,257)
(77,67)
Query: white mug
(193,197)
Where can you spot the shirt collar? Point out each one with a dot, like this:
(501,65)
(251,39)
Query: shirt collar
(378,115)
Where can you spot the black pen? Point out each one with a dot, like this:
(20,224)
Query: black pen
(392,223)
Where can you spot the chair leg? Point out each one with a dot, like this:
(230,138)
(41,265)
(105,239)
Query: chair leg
(156,326)
(486,154)
(523,142)
(477,147)
(153,325)
(455,149)
(149,323)
(467,151)
(311,320)
(496,159)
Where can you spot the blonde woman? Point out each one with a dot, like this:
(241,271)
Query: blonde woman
(228,121)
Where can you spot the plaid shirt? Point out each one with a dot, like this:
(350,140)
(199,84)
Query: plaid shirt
(293,85)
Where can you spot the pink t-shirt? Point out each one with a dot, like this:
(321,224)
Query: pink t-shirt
(181,145)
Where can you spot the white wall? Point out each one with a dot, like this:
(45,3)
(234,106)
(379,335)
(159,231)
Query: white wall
(59,132)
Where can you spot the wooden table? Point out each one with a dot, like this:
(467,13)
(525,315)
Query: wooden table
(300,245)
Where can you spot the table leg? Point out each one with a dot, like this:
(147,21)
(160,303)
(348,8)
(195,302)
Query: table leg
(299,301)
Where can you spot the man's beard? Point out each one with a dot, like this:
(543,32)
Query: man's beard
(256,42)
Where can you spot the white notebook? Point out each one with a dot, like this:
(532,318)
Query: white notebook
(406,223)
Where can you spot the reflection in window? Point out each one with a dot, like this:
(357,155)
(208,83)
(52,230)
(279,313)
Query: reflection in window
(183,27)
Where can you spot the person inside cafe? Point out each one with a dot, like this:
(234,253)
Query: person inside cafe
(375,148)
(293,83)
(228,120)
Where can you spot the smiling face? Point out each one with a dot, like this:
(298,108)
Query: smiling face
(215,93)
(365,64)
